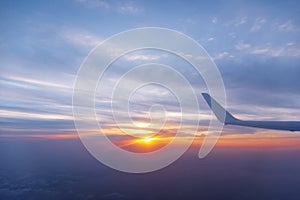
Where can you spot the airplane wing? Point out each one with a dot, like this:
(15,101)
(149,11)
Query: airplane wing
(219,111)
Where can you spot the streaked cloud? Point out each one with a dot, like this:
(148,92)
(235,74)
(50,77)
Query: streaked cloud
(23,81)
(30,115)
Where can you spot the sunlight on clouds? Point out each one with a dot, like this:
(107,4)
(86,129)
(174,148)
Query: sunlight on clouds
(262,139)
(147,139)
(137,132)
(28,115)
(142,124)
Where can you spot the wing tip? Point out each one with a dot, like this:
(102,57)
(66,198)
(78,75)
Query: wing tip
(219,111)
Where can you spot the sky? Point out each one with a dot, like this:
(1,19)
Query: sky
(254,44)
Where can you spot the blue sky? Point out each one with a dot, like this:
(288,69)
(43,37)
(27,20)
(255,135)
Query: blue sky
(255,44)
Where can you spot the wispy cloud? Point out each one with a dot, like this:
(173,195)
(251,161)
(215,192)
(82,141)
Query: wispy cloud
(237,21)
(143,57)
(95,3)
(269,50)
(242,46)
(259,22)
(288,26)
(223,55)
(31,115)
(29,81)
(129,8)
(81,38)
(119,7)
(214,20)
(240,21)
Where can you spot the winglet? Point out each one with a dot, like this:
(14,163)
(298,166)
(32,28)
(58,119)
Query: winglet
(219,111)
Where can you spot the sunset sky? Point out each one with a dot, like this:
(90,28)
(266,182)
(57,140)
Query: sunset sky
(254,44)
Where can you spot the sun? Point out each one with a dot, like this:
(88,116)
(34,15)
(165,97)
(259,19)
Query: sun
(147,139)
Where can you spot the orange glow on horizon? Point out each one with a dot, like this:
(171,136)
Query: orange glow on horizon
(262,139)
(147,139)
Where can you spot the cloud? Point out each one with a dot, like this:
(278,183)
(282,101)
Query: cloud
(95,3)
(142,57)
(81,38)
(265,51)
(241,20)
(119,7)
(263,84)
(232,35)
(34,99)
(129,9)
(282,51)
(242,46)
(186,21)
(287,26)
(223,55)
(30,115)
(210,39)
(214,20)
(237,21)
(259,22)
(29,81)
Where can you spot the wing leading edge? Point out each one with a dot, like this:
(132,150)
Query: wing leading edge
(219,111)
